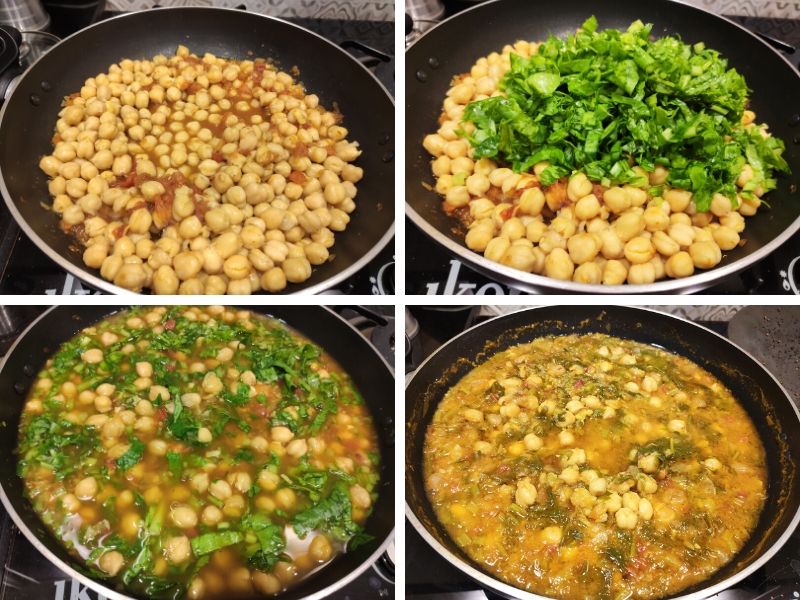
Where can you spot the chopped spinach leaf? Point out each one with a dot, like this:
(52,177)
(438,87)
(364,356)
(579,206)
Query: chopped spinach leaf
(132,455)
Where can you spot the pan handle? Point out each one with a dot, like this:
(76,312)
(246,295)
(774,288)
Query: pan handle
(776,43)
(373,57)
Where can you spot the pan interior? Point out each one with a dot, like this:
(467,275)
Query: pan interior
(344,344)
(30,115)
(459,42)
(772,412)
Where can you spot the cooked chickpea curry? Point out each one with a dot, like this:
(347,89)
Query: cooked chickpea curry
(198,453)
(591,466)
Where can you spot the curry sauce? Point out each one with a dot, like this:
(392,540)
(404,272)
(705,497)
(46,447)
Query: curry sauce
(586,466)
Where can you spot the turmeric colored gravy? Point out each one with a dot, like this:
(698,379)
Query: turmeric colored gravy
(587,466)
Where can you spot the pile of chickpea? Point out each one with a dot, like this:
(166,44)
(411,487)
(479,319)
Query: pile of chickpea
(624,499)
(201,175)
(574,229)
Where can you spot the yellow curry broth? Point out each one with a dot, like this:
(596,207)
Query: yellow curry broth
(238,496)
(590,466)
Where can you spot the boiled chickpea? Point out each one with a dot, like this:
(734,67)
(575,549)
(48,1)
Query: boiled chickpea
(725,237)
(678,200)
(682,234)
(531,201)
(520,256)
(92,356)
(616,200)
(639,250)
(641,274)
(237,267)
(513,229)
(211,515)
(131,276)
(457,196)
(587,208)
(111,562)
(583,247)
(612,245)
(360,497)
(95,254)
(664,244)
(186,265)
(266,584)
(558,264)
(589,272)
(274,280)
(177,549)
(496,248)
(628,226)
(165,280)
(626,518)
(614,272)
(720,205)
(705,254)
(285,498)
(655,219)
(478,184)
(184,516)
(197,588)
(297,269)
(578,187)
(86,488)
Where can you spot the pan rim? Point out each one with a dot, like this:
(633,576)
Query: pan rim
(112,594)
(513,592)
(531,282)
(83,274)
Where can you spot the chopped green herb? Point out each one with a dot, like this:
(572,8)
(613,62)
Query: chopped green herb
(603,102)
(132,455)
(210,542)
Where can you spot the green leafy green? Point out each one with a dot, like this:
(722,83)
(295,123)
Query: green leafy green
(132,455)
(604,101)
(60,445)
(182,425)
(144,557)
(619,549)
(315,483)
(175,464)
(238,398)
(243,455)
(333,515)
(284,360)
(210,542)
(668,448)
(271,543)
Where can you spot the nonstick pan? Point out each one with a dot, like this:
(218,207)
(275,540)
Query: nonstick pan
(28,118)
(768,404)
(454,45)
(371,375)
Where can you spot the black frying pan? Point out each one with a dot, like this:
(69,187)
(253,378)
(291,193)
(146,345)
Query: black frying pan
(774,414)
(453,47)
(371,375)
(28,118)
